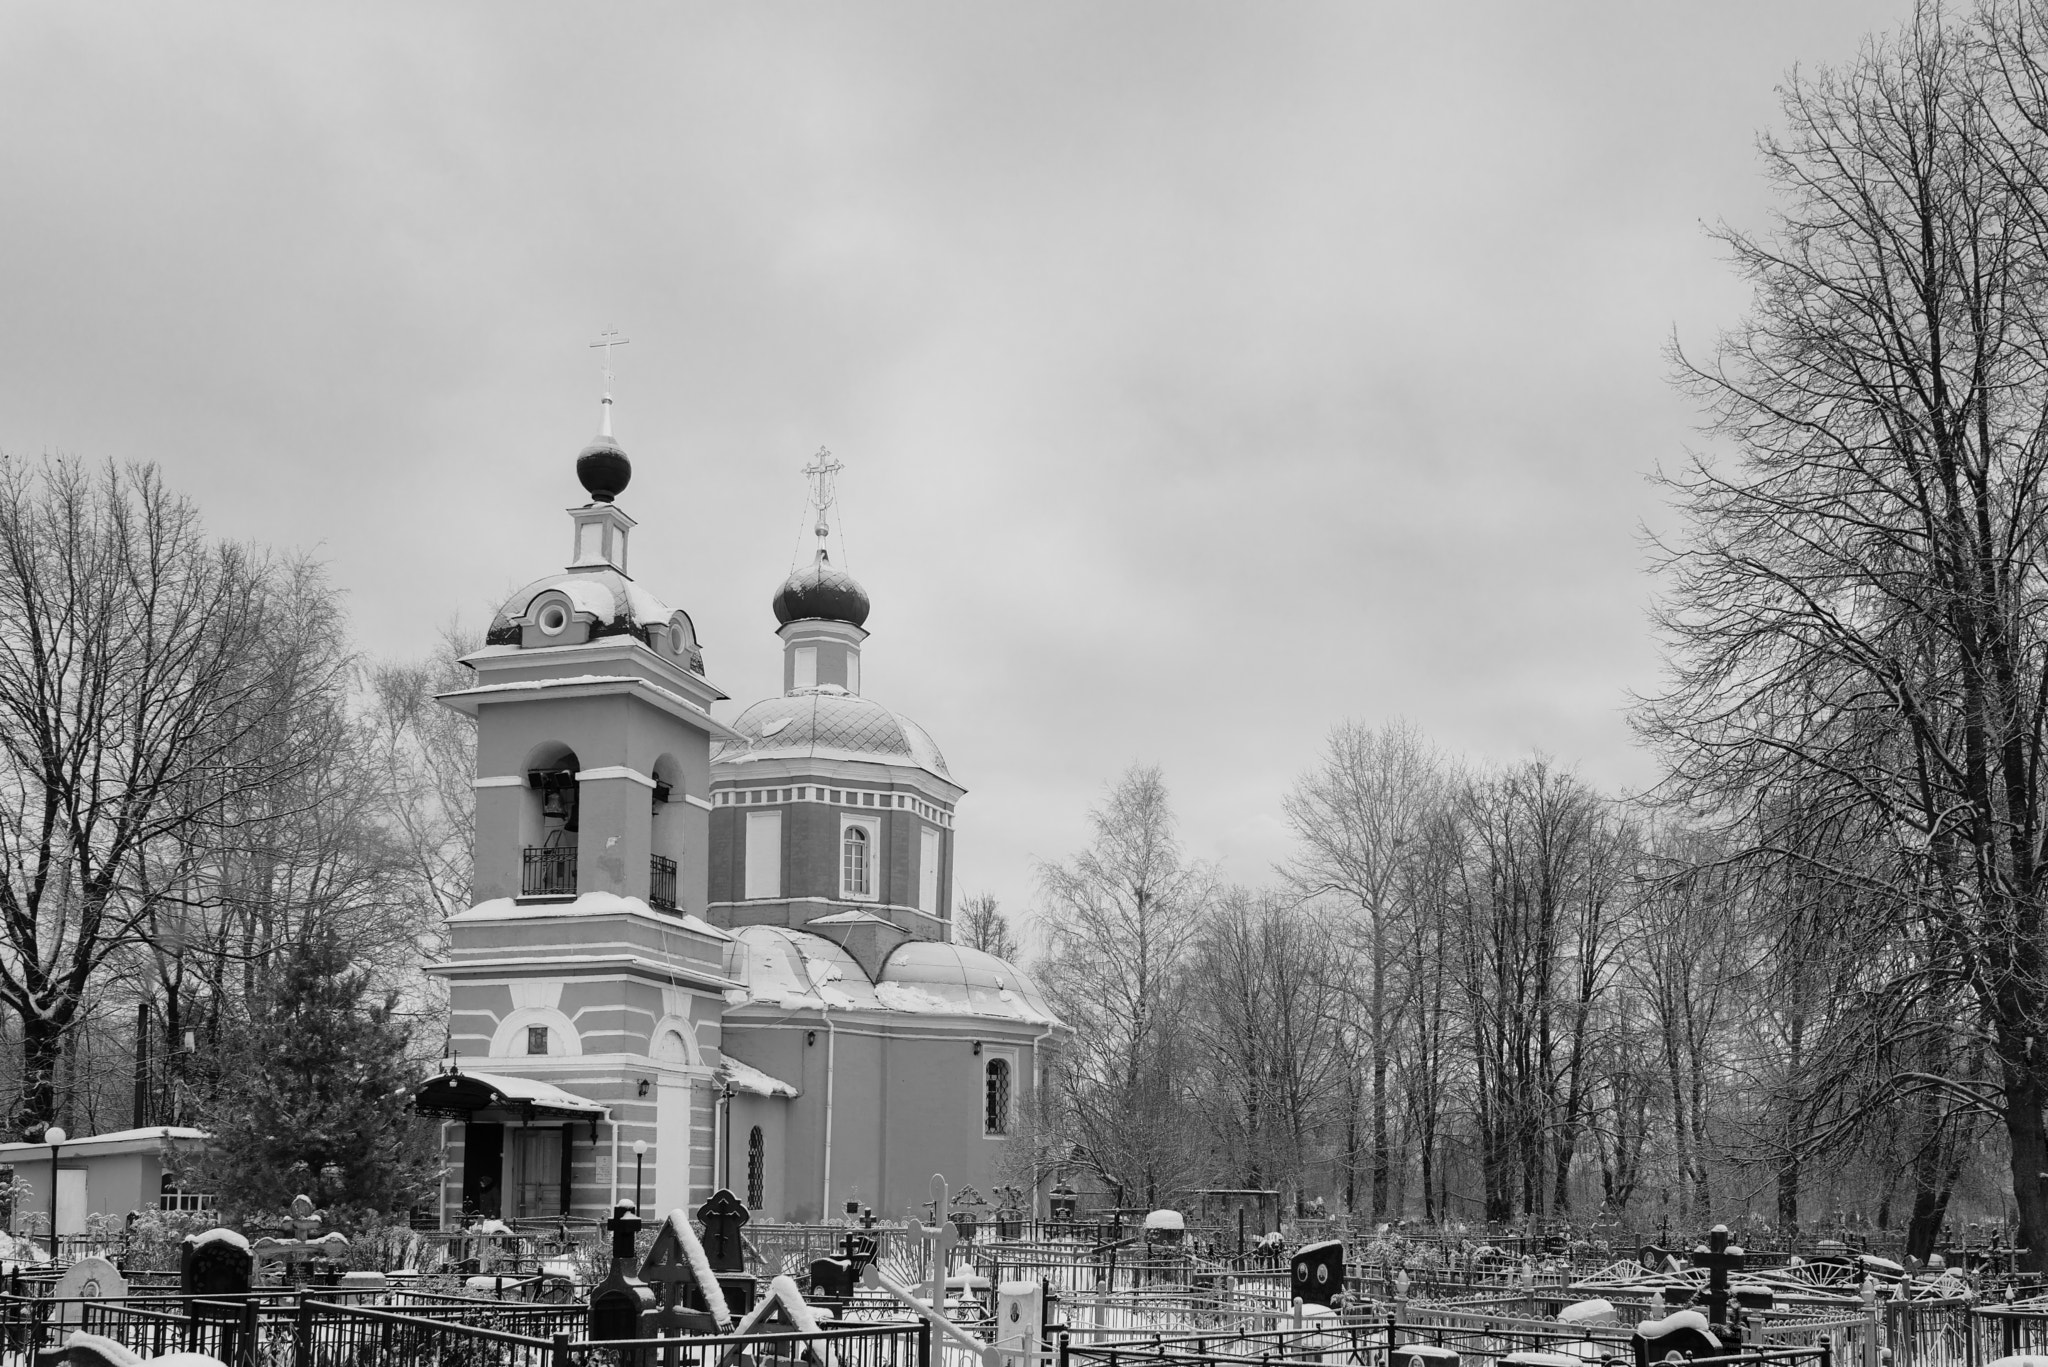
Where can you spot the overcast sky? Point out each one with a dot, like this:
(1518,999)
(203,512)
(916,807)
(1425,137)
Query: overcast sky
(1205,374)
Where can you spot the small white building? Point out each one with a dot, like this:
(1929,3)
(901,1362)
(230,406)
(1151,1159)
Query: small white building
(101,1174)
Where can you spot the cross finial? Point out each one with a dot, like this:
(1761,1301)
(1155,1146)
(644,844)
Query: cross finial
(608,340)
(823,473)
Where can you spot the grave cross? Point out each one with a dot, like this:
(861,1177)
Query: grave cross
(1720,1258)
(625,1228)
(942,1235)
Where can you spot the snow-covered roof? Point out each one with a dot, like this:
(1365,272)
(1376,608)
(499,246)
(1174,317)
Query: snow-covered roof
(745,1077)
(827,722)
(797,970)
(794,970)
(115,1141)
(586,904)
(601,591)
(929,976)
(470,1091)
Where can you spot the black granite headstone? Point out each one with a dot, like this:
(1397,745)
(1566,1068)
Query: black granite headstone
(1319,1273)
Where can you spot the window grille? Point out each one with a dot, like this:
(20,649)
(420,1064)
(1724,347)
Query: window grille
(757,1168)
(997,1118)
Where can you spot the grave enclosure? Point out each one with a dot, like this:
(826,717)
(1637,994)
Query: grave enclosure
(712,1287)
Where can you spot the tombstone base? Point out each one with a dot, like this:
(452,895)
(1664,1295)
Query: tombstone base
(740,1291)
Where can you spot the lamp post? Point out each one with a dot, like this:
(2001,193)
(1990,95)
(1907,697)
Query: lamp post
(639,1166)
(53,1136)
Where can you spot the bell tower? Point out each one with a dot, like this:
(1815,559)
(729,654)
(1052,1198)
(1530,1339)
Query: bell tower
(585,989)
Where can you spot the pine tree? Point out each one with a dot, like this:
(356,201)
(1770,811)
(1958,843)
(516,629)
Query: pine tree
(314,1096)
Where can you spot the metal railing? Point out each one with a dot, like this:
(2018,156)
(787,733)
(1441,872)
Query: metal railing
(661,882)
(548,872)
(327,1331)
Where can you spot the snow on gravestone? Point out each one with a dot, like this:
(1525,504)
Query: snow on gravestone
(216,1263)
(1020,1314)
(88,1279)
(91,1350)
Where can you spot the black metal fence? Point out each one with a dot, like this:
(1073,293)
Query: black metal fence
(1351,1343)
(548,872)
(267,1330)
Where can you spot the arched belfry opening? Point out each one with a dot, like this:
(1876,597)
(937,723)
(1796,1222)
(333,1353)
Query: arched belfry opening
(550,822)
(665,834)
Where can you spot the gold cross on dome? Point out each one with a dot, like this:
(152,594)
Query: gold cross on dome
(823,472)
(608,340)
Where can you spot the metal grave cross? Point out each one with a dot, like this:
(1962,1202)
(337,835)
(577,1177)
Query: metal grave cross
(1720,1258)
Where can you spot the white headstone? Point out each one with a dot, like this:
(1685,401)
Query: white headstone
(1020,1311)
(88,1279)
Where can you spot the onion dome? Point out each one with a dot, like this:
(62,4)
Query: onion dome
(604,469)
(821,590)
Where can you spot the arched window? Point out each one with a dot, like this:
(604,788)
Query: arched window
(854,862)
(757,1168)
(996,1116)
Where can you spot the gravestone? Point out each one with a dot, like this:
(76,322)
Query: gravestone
(1319,1273)
(621,1306)
(835,1278)
(724,1219)
(1425,1355)
(216,1263)
(1020,1323)
(88,1279)
(683,1306)
(1679,1335)
(93,1350)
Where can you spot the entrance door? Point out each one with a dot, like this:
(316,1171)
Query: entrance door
(672,1146)
(537,1172)
(483,1170)
(71,1200)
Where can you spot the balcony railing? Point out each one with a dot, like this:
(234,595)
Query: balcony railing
(549,872)
(661,883)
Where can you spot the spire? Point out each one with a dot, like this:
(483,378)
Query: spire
(607,340)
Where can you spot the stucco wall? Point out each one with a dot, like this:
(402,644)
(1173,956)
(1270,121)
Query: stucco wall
(906,1104)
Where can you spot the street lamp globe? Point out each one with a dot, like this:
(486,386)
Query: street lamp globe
(55,1135)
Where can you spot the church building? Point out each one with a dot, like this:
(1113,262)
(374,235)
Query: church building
(711,954)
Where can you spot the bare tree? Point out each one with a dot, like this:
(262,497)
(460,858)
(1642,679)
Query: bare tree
(1122,918)
(137,701)
(1355,815)
(982,925)
(1855,604)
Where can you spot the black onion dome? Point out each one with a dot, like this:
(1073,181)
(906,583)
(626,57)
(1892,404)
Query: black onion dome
(821,590)
(604,469)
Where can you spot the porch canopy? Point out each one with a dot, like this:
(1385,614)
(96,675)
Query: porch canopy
(494,1097)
